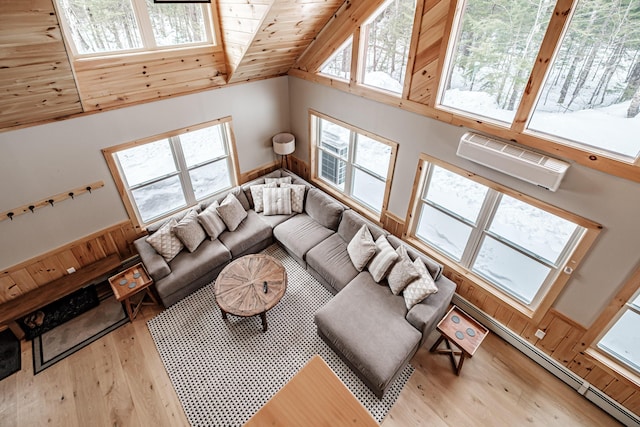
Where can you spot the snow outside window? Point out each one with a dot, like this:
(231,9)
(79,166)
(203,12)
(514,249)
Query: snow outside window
(622,339)
(103,26)
(386,39)
(170,174)
(352,163)
(516,247)
(591,95)
(493,52)
(339,64)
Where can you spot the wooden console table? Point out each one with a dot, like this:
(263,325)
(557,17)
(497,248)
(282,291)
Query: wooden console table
(31,301)
(315,396)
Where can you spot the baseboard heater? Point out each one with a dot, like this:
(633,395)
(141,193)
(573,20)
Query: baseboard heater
(581,386)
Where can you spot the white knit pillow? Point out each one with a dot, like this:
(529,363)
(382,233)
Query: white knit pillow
(383,260)
(297,196)
(257,195)
(361,248)
(189,231)
(421,288)
(277,201)
(165,242)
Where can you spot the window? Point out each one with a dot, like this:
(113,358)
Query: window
(494,51)
(352,162)
(591,94)
(339,65)
(162,175)
(386,39)
(104,26)
(519,247)
(622,340)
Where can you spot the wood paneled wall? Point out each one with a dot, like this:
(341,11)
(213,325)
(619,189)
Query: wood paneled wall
(117,81)
(36,78)
(41,270)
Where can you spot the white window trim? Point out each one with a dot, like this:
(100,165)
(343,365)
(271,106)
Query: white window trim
(182,170)
(146,33)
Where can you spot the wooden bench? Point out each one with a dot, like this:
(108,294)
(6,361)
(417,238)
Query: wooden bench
(31,301)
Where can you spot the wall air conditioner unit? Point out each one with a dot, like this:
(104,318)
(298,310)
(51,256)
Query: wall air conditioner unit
(543,171)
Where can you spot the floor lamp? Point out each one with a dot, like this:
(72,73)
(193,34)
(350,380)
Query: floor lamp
(283,145)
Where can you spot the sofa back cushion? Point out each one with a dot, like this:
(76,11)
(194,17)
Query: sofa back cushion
(323,209)
(236,191)
(352,221)
(434,268)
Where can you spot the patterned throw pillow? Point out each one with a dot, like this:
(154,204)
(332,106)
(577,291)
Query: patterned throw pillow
(403,272)
(382,261)
(257,195)
(189,231)
(231,212)
(361,248)
(211,221)
(297,196)
(277,181)
(277,201)
(421,288)
(165,242)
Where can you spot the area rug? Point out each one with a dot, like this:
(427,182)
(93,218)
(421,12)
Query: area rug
(224,371)
(64,340)
(9,354)
(58,312)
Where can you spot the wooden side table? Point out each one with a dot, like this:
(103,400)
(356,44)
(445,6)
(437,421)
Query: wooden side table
(133,281)
(464,332)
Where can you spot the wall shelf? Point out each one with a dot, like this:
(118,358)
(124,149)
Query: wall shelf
(50,201)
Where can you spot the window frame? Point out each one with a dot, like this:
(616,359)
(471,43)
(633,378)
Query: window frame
(145,29)
(182,170)
(556,282)
(346,196)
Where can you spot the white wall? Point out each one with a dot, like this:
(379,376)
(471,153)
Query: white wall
(40,161)
(608,200)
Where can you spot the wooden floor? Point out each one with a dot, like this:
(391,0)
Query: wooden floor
(119,380)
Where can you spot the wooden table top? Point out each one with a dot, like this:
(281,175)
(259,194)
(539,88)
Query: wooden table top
(463,330)
(130,281)
(239,286)
(315,396)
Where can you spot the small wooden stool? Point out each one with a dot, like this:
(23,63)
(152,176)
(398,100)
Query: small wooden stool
(464,332)
(130,282)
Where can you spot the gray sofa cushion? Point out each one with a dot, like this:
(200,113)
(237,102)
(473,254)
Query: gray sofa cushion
(352,221)
(236,191)
(330,259)
(323,208)
(300,233)
(188,267)
(434,268)
(366,324)
(251,231)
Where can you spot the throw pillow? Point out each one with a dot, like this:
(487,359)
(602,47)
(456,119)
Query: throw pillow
(277,201)
(361,248)
(421,288)
(403,272)
(165,242)
(382,261)
(211,221)
(231,212)
(189,231)
(257,195)
(297,196)
(278,181)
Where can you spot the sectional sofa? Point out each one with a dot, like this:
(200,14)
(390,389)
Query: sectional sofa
(365,323)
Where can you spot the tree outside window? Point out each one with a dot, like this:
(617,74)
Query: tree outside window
(339,64)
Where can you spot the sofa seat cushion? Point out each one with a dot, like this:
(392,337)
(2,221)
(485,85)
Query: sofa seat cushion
(365,323)
(275,220)
(301,233)
(331,260)
(251,231)
(188,267)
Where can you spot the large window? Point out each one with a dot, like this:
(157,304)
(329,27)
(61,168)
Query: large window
(621,341)
(352,162)
(517,246)
(104,26)
(162,175)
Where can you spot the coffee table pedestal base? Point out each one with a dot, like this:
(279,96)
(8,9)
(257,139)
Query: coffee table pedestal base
(263,318)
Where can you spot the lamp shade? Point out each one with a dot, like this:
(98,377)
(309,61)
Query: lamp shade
(284,144)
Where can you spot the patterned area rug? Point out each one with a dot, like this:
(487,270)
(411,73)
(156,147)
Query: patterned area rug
(223,372)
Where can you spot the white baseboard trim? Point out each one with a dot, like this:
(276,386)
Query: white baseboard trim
(581,386)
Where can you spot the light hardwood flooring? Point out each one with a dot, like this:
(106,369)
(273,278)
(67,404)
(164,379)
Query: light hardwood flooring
(119,380)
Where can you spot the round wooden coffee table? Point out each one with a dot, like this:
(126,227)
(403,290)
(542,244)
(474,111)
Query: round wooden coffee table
(251,286)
